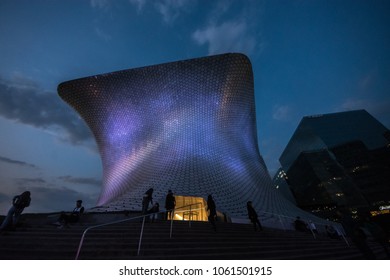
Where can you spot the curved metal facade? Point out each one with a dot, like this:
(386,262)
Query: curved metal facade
(188,126)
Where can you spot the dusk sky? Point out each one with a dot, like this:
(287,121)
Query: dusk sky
(309,57)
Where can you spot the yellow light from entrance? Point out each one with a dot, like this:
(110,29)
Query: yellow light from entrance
(179,217)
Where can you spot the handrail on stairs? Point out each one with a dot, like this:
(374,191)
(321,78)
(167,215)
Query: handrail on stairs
(175,211)
(340,229)
(142,227)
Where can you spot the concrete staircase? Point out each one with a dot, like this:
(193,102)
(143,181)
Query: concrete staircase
(120,241)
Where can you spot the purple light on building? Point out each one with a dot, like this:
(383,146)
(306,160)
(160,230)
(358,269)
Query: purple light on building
(188,126)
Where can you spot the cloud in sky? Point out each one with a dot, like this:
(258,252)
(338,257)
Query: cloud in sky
(25,102)
(101,4)
(379,109)
(17,162)
(81,180)
(140,4)
(230,36)
(229,30)
(171,9)
(366,82)
(102,35)
(282,112)
(24,181)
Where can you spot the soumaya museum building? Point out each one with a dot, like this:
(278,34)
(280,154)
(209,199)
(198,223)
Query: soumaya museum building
(186,126)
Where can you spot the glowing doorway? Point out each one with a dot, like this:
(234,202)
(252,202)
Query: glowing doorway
(190,208)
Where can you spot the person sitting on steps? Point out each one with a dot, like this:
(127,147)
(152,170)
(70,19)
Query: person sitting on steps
(73,217)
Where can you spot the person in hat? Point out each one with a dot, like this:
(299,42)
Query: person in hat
(73,217)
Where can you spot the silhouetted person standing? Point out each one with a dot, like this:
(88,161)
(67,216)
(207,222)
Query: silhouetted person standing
(19,202)
(353,230)
(253,216)
(212,211)
(300,225)
(147,198)
(170,203)
(154,211)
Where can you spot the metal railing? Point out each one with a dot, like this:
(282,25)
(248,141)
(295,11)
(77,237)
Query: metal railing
(339,228)
(143,217)
(176,211)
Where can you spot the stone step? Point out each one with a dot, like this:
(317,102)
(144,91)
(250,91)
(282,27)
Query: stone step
(228,252)
(120,241)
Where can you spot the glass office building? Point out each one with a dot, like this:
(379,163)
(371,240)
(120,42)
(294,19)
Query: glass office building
(339,159)
(280,182)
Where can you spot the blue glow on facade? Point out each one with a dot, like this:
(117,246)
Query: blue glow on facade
(188,126)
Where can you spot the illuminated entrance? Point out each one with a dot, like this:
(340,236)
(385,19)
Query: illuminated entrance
(190,208)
